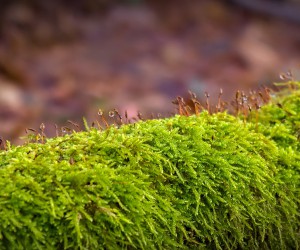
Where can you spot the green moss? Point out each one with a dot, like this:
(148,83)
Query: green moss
(280,119)
(197,182)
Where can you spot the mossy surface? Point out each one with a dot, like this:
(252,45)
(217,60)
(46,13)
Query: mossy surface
(280,120)
(197,182)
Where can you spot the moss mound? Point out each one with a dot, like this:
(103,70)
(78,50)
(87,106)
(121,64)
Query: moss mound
(197,182)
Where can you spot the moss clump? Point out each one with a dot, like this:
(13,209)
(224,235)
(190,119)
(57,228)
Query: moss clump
(197,182)
(280,119)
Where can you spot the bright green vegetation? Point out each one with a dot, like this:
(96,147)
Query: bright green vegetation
(197,182)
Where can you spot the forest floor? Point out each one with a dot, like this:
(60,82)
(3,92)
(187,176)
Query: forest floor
(134,57)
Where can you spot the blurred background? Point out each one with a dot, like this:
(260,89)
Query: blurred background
(63,60)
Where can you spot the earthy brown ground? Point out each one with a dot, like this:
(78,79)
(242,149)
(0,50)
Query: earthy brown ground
(134,57)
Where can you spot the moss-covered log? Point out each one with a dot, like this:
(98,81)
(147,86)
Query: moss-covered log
(198,182)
